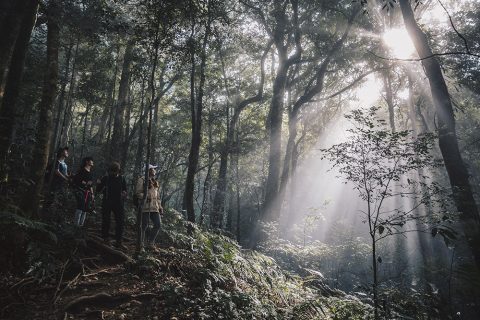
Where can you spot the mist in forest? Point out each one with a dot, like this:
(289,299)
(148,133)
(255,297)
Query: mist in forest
(244,159)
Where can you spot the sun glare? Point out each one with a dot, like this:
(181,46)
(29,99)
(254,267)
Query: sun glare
(399,42)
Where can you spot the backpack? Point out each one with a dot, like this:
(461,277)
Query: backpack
(85,197)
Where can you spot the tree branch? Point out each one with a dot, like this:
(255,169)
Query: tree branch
(310,92)
(454,28)
(354,82)
(427,57)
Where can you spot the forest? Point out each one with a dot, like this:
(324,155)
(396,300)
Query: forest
(242,159)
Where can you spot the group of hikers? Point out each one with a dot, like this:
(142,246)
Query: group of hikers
(113,187)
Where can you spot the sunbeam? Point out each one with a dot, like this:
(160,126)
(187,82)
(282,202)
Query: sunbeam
(399,42)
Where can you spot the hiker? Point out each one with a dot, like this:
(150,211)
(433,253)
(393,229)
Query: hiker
(56,178)
(60,171)
(83,183)
(151,207)
(114,190)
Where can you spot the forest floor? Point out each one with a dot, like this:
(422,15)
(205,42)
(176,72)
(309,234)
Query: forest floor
(193,274)
(100,287)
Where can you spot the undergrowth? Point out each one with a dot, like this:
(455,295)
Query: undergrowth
(196,274)
(216,279)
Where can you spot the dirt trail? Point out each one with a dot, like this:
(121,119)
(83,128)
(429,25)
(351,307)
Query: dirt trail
(102,283)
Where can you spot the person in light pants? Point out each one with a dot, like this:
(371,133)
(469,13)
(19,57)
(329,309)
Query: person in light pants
(83,182)
(151,208)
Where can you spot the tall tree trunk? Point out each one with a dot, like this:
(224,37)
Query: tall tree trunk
(107,115)
(387,83)
(13,82)
(271,211)
(219,198)
(206,209)
(153,104)
(221,189)
(60,108)
(139,152)
(237,193)
(84,131)
(271,208)
(116,142)
(156,110)
(46,106)
(61,98)
(67,116)
(375,277)
(287,163)
(126,141)
(426,249)
(197,109)
(456,169)
(14,16)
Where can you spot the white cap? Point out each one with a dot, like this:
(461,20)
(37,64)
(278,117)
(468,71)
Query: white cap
(151,166)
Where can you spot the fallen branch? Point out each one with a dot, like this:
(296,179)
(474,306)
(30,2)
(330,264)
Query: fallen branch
(54,299)
(106,270)
(22,282)
(69,284)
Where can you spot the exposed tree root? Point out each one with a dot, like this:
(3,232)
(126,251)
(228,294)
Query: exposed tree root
(95,233)
(104,300)
(107,252)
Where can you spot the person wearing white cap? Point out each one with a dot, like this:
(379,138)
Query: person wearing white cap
(151,208)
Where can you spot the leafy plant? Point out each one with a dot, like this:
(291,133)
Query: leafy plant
(382,165)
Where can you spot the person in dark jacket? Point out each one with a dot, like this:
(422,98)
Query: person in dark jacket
(114,189)
(83,184)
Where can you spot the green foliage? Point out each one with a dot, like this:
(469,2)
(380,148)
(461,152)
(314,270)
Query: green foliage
(340,263)
(382,166)
(416,303)
(29,246)
(348,309)
(216,279)
(11,222)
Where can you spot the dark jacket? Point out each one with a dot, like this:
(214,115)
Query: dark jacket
(82,178)
(112,188)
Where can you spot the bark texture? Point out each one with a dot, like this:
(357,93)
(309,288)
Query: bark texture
(196,113)
(221,190)
(12,17)
(448,142)
(13,81)
(46,106)
(118,135)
